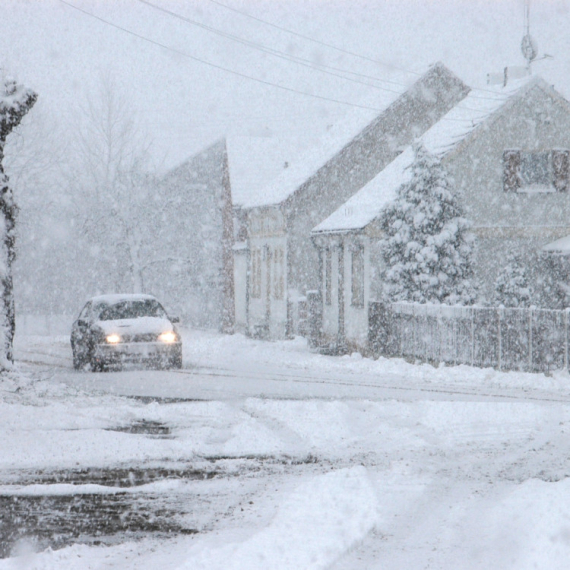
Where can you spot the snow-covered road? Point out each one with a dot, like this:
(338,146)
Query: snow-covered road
(296,460)
(240,368)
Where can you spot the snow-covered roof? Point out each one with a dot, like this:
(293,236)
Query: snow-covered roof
(460,122)
(254,162)
(477,108)
(332,142)
(356,212)
(560,246)
(113,298)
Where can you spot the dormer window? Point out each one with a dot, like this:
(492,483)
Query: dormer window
(535,172)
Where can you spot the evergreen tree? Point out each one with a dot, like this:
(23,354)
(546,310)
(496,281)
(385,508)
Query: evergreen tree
(15,102)
(512,288)
(427,246)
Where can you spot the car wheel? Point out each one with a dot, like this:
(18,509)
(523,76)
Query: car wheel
(96,366)
(79,360)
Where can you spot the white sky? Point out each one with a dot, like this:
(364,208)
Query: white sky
(184,104)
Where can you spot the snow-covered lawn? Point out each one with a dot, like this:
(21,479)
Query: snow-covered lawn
(355,481)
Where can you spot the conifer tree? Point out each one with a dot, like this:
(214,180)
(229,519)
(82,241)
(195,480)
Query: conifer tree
(15,102)
(427,246)
(512,288)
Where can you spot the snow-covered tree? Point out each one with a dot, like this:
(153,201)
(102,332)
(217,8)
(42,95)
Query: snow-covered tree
(552,290)
(427,245)
(15,102)
(109,154)
(35,156)
(121,213)
(512,288)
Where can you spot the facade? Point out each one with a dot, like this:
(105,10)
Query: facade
(205,229)
(282,265)
(509,156)
(199,282)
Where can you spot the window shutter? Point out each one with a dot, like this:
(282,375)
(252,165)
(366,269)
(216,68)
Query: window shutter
(511,170)
(560,169)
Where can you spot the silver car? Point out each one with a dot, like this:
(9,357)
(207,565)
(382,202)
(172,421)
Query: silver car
(112,330)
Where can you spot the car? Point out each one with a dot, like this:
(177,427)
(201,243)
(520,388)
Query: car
(112,330)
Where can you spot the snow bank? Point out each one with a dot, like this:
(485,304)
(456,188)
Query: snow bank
(321,520)
(232,351)
(528,528)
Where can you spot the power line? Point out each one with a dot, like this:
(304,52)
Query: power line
(277,53)
(294,59)
(233,72)
(354,54)
(309,38)
(215,66)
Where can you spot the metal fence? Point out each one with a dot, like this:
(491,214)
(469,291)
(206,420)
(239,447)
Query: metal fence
(534,340)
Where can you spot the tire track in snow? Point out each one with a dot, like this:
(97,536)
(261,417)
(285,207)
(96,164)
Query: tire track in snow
(225,373)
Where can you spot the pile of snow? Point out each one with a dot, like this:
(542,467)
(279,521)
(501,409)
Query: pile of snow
(203,349)
(316,524)
(22,387)
(527,528)
(310,482)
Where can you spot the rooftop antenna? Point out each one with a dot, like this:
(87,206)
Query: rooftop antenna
(529,47)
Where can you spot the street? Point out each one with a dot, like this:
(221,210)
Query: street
(233,461)
(221,375)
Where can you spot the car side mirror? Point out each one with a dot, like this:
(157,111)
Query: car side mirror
(174,319)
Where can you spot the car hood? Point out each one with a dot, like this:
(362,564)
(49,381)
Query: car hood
(142,325)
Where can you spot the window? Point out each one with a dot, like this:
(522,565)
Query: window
(132,310)
(545,171)
(328,276)
(256,273)
(358,278)
(85,313)
(278,274)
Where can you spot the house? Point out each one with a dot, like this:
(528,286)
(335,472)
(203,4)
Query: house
(274,254)
(198,217)
(204,193)
(507,150)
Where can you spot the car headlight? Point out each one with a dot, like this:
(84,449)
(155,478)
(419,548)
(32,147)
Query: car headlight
(113,338)
(167,337)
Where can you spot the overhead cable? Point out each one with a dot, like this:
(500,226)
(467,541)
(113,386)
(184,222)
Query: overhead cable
(309,38)
(277,53)
(215,66)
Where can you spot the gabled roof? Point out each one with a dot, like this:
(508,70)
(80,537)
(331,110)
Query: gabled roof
(446,136)
(357,212)
(338,137)
(559,247)
(254,162)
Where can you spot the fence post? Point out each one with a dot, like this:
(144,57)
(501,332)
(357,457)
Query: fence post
(414,325)
(565,339)
(530,340)
(454,334)
(401,336)
(440,329)
(500,335)
(472,336)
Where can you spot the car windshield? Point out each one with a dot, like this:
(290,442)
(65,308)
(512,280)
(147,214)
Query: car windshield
(131,310)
